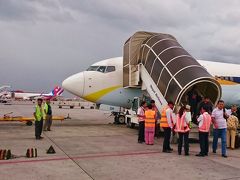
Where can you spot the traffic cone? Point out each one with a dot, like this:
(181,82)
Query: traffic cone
(51,150)
(35,152)
(28,154)
(31,152)
(9,154)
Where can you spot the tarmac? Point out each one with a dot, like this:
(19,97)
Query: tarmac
(90,146)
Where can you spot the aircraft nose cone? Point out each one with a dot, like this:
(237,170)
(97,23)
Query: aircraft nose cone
(75,84)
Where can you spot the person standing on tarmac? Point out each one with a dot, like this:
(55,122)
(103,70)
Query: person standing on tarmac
(150,116)
(48,116)
(219,117)
(182,128)
(38,114)
(204,123)
(141,121)
(166,123)
(232,125)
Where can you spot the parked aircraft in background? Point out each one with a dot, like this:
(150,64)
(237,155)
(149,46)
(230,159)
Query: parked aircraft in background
(57,91)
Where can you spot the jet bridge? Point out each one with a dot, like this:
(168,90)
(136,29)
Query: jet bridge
(158,63)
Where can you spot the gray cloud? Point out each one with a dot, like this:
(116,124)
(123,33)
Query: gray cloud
(43,42)
(33,10)
(15,10)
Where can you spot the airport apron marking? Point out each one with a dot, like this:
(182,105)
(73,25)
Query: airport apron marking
(81,157)
(93,97)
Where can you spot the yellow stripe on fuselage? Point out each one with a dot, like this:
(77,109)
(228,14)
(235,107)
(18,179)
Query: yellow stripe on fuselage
(226,82)
(93,97)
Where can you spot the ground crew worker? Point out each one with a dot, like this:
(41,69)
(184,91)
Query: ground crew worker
(232,125)
(48,116)
(166,123)
(149,125)
(219,127)
(141,121)
(38,114)
(204,123)
(182,127)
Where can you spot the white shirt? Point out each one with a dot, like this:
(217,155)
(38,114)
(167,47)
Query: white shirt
(220,121)
(170,117)
(141,112)
(228,112)
(200,119)
(188,117)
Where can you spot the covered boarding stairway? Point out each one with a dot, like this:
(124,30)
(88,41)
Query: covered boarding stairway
(157,63)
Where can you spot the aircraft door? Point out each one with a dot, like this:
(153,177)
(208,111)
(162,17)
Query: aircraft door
(135,104)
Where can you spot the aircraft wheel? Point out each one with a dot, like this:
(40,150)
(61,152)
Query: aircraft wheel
(121,119)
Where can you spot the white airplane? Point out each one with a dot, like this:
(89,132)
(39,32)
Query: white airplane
(155,65)
(57,91)
(102,82)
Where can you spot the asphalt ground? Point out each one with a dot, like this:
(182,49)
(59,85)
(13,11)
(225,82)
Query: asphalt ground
(90,146)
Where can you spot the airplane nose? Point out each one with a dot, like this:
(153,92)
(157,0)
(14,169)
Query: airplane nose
(75,84)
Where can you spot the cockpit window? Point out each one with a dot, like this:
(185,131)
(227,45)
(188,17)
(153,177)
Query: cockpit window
(93,68)
(101,69)
(110,69)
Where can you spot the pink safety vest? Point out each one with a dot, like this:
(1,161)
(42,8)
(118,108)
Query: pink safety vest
(206,123)
(180,124)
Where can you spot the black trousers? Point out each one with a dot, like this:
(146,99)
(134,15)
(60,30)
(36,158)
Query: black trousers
(141,131)
(157,130)
(186,142)
(204,143)
(38,128)
(167,136)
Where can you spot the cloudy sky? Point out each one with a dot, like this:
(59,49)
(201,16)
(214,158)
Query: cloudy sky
(44,41)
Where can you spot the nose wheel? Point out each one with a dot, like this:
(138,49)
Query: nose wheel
(119,118)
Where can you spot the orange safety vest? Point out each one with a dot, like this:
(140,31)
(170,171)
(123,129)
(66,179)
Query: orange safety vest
(163,120)
(206,123)
(180,124)
(150,118)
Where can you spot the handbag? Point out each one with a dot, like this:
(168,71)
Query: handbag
(224,114)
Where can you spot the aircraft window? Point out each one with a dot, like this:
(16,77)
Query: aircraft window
(93,68)
(110,69)
(101,69)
